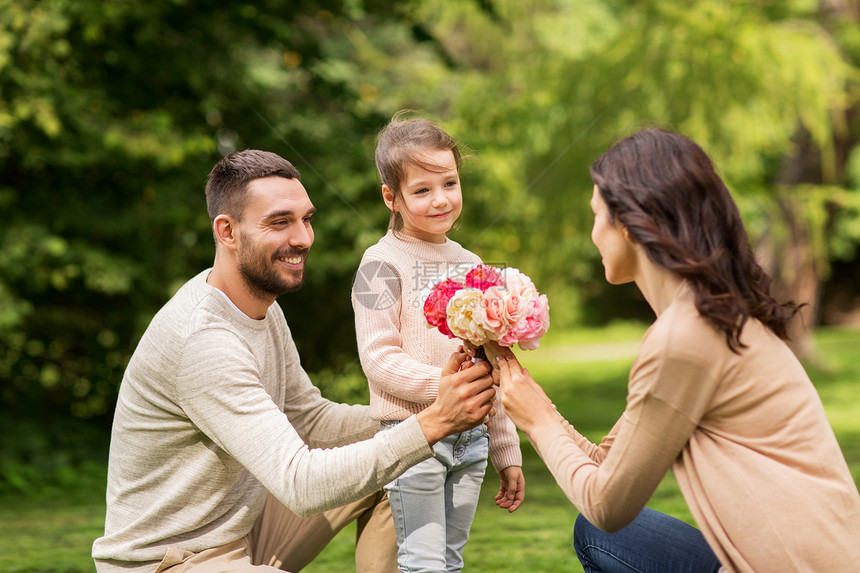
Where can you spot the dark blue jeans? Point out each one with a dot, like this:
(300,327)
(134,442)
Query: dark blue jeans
(653,543)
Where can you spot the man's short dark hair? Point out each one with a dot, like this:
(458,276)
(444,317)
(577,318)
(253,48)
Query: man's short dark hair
(227,185)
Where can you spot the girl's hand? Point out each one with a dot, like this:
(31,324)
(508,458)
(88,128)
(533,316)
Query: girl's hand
(524,400)
(512,489)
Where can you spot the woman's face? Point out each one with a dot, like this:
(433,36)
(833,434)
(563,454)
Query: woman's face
(616,250)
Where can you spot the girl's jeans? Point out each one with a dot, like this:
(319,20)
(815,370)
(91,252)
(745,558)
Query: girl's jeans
(653,543)
(433,503)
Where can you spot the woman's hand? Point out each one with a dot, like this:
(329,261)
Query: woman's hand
(512,489)
(524,400)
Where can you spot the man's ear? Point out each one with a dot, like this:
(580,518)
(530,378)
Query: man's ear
(388,196)
(224,229)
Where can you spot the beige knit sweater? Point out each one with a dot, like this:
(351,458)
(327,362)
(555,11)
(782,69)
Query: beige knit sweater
(401,354)
(214,411)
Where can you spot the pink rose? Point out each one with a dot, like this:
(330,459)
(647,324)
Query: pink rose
(483,277)
(435,307)
(494,304)
(494,312)
(526,313)
(537,324)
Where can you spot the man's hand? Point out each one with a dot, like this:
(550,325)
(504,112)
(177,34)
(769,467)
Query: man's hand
(465,398)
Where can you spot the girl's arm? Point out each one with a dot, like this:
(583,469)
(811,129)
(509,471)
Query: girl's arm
(380,341)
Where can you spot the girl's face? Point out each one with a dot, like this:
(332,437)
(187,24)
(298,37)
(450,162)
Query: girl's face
(430,200)
(611,240)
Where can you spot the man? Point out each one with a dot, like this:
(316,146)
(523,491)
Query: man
(224,456)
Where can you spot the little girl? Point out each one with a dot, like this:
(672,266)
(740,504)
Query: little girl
(434,502)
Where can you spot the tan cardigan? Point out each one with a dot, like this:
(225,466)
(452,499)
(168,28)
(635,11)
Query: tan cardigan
(746,436)
(401,355)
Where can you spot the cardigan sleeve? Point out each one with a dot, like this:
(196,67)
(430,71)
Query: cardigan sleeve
(612,482)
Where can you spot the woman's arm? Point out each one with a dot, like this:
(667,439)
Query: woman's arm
(644,443)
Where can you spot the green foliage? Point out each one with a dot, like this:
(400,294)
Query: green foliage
(110,118)
(757,84)
(112,114)
(49,456)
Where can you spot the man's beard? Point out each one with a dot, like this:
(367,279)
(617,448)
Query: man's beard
(262,277)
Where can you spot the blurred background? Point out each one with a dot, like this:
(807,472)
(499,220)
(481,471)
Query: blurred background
(112,113)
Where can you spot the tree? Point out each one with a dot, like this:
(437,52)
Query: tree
(111,115)
(764,87)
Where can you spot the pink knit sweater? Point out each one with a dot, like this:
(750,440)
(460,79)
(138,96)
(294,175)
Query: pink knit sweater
(401,355)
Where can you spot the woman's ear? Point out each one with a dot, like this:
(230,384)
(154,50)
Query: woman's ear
(626,233)
(224,229)
(390,198)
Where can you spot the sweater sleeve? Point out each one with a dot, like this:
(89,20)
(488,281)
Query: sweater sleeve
(227,401)
(320,422)
(379,338)
(596,452)
(610,485)
(504,440)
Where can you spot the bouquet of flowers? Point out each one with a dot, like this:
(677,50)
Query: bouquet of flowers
(491,306)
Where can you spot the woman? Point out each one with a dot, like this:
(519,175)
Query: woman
(714,395)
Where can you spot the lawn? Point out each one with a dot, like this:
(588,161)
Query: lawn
(583,372)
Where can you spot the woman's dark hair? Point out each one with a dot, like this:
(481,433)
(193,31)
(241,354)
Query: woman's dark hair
(664,189)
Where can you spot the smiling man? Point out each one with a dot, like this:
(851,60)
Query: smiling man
(224,456)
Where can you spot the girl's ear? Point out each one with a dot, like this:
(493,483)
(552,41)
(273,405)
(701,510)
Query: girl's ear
(389,197)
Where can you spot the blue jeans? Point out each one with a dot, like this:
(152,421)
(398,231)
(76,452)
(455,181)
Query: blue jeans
(433,503)
(653,543)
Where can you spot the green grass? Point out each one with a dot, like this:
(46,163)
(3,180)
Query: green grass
(51,534)
(584,372)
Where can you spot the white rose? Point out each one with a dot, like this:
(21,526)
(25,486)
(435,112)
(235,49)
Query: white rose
(464,316)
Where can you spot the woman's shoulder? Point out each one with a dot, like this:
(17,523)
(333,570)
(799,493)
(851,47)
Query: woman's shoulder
(681,330)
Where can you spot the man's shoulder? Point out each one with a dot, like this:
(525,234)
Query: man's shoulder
(198,307)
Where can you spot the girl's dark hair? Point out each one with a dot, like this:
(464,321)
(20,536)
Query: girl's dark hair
(401,143)
(664,189)
(227,185)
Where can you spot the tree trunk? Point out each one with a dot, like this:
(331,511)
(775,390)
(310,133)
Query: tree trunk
(788,255)
(796,272)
